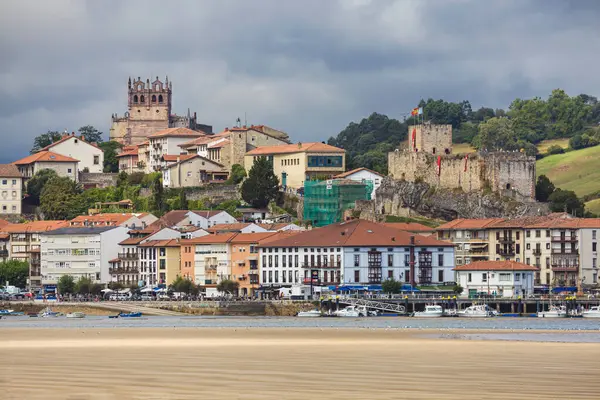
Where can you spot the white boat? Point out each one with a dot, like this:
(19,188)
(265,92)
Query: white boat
(349,311)
(309,314)
(593,312)
(478,311)
(76,315)
(48,313)
(430,312)
(554,312)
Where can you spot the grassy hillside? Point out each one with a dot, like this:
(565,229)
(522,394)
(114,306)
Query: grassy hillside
(593,206)
(546,144)
(576,170)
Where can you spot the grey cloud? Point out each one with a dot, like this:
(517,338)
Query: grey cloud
(308,67)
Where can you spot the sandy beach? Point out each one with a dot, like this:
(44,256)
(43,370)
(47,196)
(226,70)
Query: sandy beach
(169,363)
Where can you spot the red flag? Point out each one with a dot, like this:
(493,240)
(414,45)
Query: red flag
(439,164)
(414,138)
(466,161)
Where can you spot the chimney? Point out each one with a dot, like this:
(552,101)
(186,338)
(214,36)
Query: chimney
(226,129)
(72,133)
(393,239)
(178,158)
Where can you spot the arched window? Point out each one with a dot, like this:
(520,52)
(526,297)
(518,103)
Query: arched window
(154,98)
(135,99)
(160,99)
(508,186)
(141,98)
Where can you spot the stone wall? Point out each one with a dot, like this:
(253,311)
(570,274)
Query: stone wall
(215,193)
(428,138)
(97,180)
(499,171)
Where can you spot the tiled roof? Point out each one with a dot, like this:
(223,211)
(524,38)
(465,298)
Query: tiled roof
(193,156)
(276,226)
(277,236)
(311,147)
(496,266)
(9,171)
(211,239)
(461,223)
(46,156)
(236,227)
(4,236)
(107,218)
(176,132)
(132,152)
(220,144)
(132,241)
(174,157)
(81,230)
(409,226)
(207,213)
(115,260)
(252,237)
(170,219)
(357,233)
(348,173)
(3,223)
(67,137)
(197,141)
(35,226)
(161,243)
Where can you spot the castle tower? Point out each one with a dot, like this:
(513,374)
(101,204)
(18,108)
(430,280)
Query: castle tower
(430,138)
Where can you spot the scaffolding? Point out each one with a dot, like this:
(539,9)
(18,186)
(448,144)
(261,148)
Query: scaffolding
(326,201)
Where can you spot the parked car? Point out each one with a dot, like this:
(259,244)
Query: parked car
(147,297)
(118,297)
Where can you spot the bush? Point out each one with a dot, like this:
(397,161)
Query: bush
(555,149)
(136,178)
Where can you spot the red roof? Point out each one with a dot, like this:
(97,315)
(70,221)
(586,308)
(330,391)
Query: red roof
(211,239)
(476,223)
(357,233)
(311,147)
(9,171)
(132,241)
(348,173)
(46,156)
(131,152)
(161,243)
(105,219)
(207,213)
(35,226)
(177,132)
(235,227)
(67,137)
(174,157)
(409,226)
(200,140)
(496,266)
(252,237)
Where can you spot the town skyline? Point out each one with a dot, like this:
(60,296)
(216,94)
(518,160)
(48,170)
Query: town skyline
(338,65)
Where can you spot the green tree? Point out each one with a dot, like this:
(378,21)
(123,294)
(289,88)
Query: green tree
(83,285)
(457,289)
(59,198)
(111,162)
(543,188)
(158,198)
(90,134)
(15,272)
(183,285)
(238,173)
(566,200)
(122,179)
(37,183)
(45,139)
(262,185)
(96,289)
(115,285)
(496,134)
(228,286)
(391,286)
(135,178)
(183,203)
(66,284)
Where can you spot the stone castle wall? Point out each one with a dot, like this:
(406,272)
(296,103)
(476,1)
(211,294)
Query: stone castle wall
(428,138)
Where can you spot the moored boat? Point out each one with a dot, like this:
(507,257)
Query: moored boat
(309,314)
(6,312)
(431,311)
(478,311)
(593,312)
(554,312)
(76,315)
(349,311)
(130,315)
(47,313)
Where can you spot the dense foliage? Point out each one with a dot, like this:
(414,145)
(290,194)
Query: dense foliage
(111,149)
(60,199)
(228,286)
(238,173)
(37,183)
(543,188)
(184,286)
(262,186)
(524,124)
(45,139)
(15,272)
(391,286)
(66,285)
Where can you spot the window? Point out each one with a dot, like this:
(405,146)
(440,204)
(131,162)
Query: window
(357,276)
(290,276)
(528,246)
(356,260)
(92,265)
(270,276)
(527,233)
(441,276)
(594,246)
(538,233)
(154,98)
(160,98)
(440,260)
(527,261)
(547,232)
(518,247)
(142,99)
(264,276)
(69,170)
(14,208)
(504,277)
(593,232)
(517,235)
(135,99)
(518,277)
(390,260)
(407,260)
(162,251)
(594,263)
(162,264)
(484,277)
(469,277)
(14,182)
(96,160)
(547,246)
(390,274)
(276,276)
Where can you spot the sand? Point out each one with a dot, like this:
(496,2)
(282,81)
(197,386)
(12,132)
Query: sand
(256,363)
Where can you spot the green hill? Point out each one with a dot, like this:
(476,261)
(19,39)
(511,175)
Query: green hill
(577,170)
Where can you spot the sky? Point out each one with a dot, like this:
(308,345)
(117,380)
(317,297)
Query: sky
(306,67)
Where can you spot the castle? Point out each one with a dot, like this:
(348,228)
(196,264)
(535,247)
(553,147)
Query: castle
(149,111)
(428,158)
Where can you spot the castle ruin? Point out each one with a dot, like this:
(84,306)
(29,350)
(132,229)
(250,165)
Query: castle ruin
(149,111)
(428,158)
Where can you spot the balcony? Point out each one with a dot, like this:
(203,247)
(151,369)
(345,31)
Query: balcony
(242,277)
(210,282)
(211,267)
(506,239)
(507,252)
(307,281)
(566,252)
(317,266)
(128,256)
(123,271)
(565,268)
(564,238)
(3,253)
(537,252)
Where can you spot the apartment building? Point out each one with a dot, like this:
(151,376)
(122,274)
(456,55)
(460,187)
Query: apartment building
(470,238)
(11,189)
(245,260)
(165,256)
(500,278)
(64,166)
(192,170)
(90,156)
(25,241)
(212,258)
(363,174)
(79,252)
(128,220)
(166,142)
(199,218)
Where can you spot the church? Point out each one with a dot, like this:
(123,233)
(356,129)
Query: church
(149,111)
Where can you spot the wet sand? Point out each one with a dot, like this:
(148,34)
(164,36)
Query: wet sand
(168,363)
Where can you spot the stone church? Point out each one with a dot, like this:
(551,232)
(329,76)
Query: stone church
(149,111)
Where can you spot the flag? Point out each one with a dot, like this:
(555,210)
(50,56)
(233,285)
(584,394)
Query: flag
(414,138)
(420,111)
(439,165)
(466,161)
(414,112)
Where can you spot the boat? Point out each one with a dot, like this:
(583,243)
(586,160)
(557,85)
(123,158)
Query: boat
(477,311)
(554,312)
(593,312)
(430,312)
(309,314)
(76,315)
(48,313)
(6,312)
(349,311)
(130,315)
(113,316)
(450,312)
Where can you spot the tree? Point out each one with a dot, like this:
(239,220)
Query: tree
(391,286)
(566,201)
(238,173)
(543,188)
(183,285)
(90,134)
(37,182)
(45,139)
(96,289)
(115,285)
(135,178)
(183,204)
(66,284)
(228,286)
(262,185)
(158,200)
(457,289)
(122,179)
(83,285)
(59,200)
(496,134)
(14,272)
(111,162)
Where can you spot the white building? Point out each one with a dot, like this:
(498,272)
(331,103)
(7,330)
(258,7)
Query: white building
(79,252)
(208,218)
(166,142)
(589,232)
(500,278)
(90,156)
(212,258)
(62,165)
(356,252)
(361,175)
(11,189)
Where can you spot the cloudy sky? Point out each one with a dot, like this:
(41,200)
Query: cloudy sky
(308,67)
